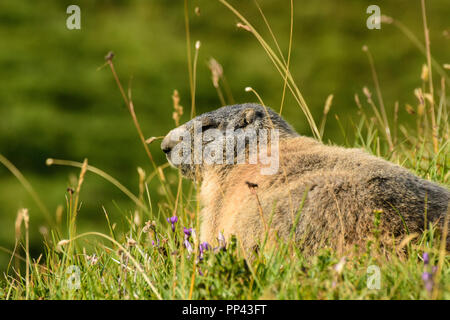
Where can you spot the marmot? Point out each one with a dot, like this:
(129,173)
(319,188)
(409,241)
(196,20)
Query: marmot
(333,193)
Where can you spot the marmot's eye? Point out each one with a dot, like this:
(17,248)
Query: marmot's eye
(207,127)
(259,114)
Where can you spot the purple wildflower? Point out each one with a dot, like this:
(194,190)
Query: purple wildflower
(157,242)
(203,247)
(339,267)
(173,220)
(187,233)
(188,246)
(427,278)
(222,242)
(426,258)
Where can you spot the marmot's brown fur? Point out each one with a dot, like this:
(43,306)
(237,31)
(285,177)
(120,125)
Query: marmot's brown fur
(342,189)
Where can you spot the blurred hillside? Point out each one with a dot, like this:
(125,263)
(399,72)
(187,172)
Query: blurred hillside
(55,102)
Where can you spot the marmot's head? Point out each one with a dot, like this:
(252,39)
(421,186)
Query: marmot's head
(220,137)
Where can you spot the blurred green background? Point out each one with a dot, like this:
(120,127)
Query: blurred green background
(54,102)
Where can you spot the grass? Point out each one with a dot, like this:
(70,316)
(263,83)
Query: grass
(152,260)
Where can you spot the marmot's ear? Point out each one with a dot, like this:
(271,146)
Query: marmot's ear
(248,116)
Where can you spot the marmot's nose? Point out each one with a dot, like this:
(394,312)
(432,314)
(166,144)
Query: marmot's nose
(170,141)
(167,144)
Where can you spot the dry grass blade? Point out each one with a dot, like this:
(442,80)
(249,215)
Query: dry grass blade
(27,187)
(101,173)
(130,107)
(326,109)
(281,68)
(411,36)
(430,76)
(385,122)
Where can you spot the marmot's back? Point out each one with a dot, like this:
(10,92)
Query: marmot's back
(343,188)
